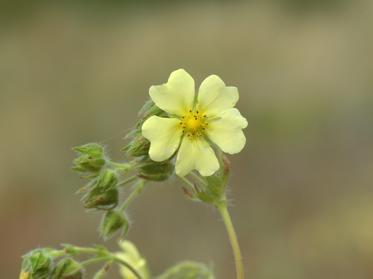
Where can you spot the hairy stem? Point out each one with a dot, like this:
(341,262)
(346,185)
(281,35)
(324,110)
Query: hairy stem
(223,210)
(103,255)
(128,180)
(136,192)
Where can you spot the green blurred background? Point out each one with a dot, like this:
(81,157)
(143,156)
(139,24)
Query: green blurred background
(73,72)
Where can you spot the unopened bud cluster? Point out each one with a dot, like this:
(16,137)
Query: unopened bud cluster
(138,147)
(104,176)
(43,264)
(101,192)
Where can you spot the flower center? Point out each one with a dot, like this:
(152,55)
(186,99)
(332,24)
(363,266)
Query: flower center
(194,123)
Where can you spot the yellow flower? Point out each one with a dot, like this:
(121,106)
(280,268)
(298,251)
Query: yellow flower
(131,255)
(195,121)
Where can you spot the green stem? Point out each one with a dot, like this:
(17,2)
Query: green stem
(134,194)
(127,265)
(223,210)
(77,250)
(128,180)
(106,256)
(95,260)
(58,253)
(121,166)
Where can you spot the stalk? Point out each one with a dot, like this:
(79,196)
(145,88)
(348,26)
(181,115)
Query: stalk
(223,210)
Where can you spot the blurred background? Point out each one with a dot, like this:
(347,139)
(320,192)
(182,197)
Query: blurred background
(73,72)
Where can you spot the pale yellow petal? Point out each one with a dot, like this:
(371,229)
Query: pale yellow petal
(177,95)
(214,96)
(226,131)
(164,135)
(196,154)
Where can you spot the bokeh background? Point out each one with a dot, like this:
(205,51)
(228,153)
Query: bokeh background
(73,72)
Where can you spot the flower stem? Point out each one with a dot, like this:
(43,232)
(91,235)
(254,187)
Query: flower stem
(223,210)
(127,265)
(136,191)
(128,180)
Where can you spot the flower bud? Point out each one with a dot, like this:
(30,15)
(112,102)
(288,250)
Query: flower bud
(68,268)
(112,222)
(107,180)
(103,194)
(101,199)
(150,109)
(138,146)
(36,264)
(91,158)
(155,171)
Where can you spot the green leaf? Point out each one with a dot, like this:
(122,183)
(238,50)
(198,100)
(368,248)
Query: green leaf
(188,270)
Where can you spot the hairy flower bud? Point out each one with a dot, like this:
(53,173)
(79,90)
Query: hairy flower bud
(112,222)
(155,171)
(36,264)
(150,109)
(103,194)
(101,199)
(107,180)
(68,268)
(91,158)
(138,146)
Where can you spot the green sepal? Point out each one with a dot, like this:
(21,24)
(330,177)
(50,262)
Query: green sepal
(91,158)
(67,268)
(112,222)
(150,109)
(138,146)
(38,264)
(155,171)
(103,193)
(100,198)
(213,190)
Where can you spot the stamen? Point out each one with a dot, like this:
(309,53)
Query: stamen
(193,123)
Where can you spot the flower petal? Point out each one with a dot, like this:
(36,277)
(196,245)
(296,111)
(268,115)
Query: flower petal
(196,154)
(214,97)
(177,95)
(164,136)
(226,131)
